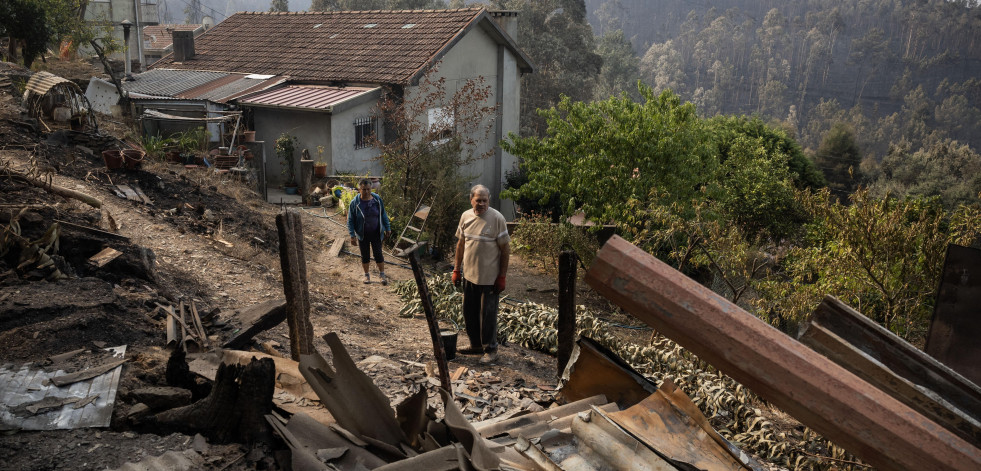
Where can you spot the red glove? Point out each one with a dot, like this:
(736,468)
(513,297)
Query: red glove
(457,277)
(500,284)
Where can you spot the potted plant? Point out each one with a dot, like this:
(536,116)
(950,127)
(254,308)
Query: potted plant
(285,149)
(320,166)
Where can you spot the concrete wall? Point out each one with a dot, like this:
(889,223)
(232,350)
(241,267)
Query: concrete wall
(477,55)
(312,129)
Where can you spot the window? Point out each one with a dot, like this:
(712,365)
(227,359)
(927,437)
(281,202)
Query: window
(441,122)
(364,130)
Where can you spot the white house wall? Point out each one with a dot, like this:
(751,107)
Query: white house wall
(474,56)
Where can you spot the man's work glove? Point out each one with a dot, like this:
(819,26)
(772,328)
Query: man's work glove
(457,278)
(500,284)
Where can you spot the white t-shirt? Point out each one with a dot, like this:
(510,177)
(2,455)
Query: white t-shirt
(484,236)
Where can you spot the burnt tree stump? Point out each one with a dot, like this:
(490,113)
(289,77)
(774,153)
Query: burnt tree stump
(234,411)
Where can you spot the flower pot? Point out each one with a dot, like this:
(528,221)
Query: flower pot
(113,159)
(290,190)
(248,136)
(133,158)
(319,170)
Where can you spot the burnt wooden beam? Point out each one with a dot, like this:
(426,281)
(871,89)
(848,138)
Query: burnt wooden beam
(566,328)
(882,358)
(427,307)
(255,319)
(294,267)
(842,407)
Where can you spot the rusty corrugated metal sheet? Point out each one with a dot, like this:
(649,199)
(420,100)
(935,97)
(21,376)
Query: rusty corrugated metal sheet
(306,96)
(41,82)
(824,396)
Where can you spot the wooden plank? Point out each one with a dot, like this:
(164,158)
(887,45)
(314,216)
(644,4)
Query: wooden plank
(91,230)
(335,248)
(104,256)
(255,319)
(835,403)
(921,397)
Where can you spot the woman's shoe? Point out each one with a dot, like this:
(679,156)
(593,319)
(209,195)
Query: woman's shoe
(383,278)
(367,278)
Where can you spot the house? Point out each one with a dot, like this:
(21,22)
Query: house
(139,13)
(338,63)
(158,40)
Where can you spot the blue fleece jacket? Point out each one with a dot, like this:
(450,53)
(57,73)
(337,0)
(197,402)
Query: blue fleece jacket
(355,217)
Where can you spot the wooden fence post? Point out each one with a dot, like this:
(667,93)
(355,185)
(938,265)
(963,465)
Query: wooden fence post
(294,268)
(567,308)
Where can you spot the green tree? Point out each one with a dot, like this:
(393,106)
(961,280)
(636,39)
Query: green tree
(945,169)
(25,22)
(621,67)
(839,158)
(603,157)
(881,256)
(560,43)
(324,5)
(279,5)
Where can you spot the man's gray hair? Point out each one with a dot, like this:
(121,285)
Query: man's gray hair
(478,188)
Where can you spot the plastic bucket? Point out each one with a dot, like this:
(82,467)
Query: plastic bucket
(448,337)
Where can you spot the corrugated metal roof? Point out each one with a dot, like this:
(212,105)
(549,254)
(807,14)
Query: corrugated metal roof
(306,96)
(228,88)
(41,82)
(168,82)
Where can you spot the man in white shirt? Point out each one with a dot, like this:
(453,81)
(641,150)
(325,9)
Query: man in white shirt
(482,256)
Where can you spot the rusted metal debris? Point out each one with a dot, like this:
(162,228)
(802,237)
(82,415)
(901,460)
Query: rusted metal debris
(833,401)
(891,364)
(594,369)
(956,325)
(671,423)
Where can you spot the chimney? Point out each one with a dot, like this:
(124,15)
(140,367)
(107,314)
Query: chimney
(183,46)
(507,20)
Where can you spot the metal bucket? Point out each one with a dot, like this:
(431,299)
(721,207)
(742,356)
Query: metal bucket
(448,337)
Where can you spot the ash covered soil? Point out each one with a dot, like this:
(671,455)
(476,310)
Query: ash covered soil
(202,239)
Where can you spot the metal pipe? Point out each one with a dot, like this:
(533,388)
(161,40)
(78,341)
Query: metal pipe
(824,396)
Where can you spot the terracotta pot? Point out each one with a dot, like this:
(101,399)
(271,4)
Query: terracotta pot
(133,158)
(113,159)
(248,136)
(319,170)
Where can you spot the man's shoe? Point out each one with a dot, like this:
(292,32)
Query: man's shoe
(488,358)
(471,351)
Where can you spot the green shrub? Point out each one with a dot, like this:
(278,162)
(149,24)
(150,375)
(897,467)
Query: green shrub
(540,241)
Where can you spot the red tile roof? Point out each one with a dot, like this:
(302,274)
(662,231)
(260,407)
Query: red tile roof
(346,46)
(158,37)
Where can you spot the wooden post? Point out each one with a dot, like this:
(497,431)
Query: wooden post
(294,268)
(427,306)
(567,309)
(306,175)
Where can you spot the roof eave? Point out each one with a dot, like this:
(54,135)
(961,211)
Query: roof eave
(482,19)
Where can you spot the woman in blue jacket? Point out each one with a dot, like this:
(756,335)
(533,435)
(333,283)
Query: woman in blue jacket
(368,222)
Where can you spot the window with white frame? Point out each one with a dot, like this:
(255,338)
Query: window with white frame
(441,122)
(364,130)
